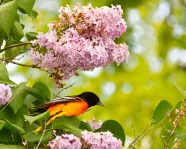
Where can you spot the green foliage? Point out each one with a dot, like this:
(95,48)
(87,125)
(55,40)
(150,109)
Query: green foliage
(43,89)
(33,15)
(11,53)
(138,88)
(33,137)
(68,124)
(162,110)
(19,95)
(31,35)
(17,31)
(4,78)
(2,124)
(32,119)
(8,13)
(85,126)
(115,128)
(12,127)
(2,146)
(26,5)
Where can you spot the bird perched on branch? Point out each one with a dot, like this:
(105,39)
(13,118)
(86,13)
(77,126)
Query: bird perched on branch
(69,106)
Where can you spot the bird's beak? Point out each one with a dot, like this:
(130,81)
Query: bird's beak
(99,103)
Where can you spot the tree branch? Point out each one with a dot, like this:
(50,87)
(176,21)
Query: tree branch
(20,64)
(15,45)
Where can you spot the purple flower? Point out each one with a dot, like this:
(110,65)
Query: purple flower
(101,140)
(5,94)
(83,39)
(95,125)
(65,141)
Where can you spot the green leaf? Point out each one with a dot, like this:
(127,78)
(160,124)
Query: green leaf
(85,126)
(29,100)
(19,95)
(3,146)
(33,137)
(115,128)
(69,124)
(32,119)
(34,92)
(26,5)
(14,119)
(43,89)
(178,104)
(2,37)
(12,127)
(33,14)
(11,53)
(161,111)
(37,94)
(31,35)
(4,78)
(7,137)
(8,13)
(2,124)
(17,31)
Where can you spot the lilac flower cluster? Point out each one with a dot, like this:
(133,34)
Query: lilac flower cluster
(95,125)
(90,140)
(5,94)
(102,140)
(83,39)
(65,141)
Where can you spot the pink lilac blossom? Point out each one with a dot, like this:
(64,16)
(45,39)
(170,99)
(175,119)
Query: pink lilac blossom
(95,125)
(83,39)
(101,140)
(65,141)
(5,94)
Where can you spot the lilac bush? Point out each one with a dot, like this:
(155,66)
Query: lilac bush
(5,94)
(65,141)
(83,39)
(101,140)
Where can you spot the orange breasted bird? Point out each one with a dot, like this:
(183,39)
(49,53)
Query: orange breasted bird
(69,106)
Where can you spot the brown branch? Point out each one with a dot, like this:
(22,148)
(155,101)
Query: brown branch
(20,64)
(15,45)
(24,65)
(138,138)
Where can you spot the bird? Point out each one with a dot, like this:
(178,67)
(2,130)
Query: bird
(68,106)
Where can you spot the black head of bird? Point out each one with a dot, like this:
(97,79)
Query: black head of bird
(91,98)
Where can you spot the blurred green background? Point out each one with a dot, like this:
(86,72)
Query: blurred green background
(156,38)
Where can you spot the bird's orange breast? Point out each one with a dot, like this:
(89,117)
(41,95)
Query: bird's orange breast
(71,108)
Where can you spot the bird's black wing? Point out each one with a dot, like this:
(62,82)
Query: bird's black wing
(66,99)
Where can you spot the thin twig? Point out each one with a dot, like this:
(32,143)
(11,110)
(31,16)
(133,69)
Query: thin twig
(37,147)
(64,89)
(133,130)
(12,99)
(24,65)
(20,64)
(15,45)
(138,136)
(142,136)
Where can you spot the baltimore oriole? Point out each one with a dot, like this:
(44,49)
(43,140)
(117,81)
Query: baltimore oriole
(69,106)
